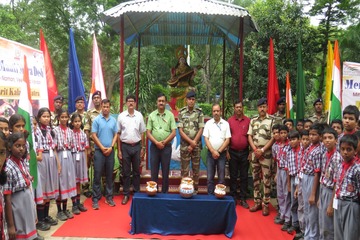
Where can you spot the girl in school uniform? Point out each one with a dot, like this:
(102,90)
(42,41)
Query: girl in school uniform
(19,205)
(3,229)
(48,166)
(64,142)
(81,145)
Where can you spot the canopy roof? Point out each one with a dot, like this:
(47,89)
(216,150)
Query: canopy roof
(179,22)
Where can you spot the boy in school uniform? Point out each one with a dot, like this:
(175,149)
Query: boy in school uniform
(337,125)
(274,150)
(329,167)
(283,196)
(310,175)
(292,167)
(347,192)
(304,144)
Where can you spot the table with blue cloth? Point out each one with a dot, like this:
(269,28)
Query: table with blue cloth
(171,214)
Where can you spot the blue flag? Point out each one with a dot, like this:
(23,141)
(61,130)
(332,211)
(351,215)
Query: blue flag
(76,86)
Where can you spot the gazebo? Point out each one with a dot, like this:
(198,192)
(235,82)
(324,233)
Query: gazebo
(174,22)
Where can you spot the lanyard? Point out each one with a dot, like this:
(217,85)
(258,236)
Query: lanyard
(78,139)
(345,168)
(64,136)
(296,152)
(307,152)
(24,173)
(328,157)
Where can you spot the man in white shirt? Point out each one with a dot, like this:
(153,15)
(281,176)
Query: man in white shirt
(217,138)
(131,145)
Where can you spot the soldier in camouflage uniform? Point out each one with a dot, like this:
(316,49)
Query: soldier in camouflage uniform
(90,115)
(191,126)
(260,140)
(58,103)
(319,116)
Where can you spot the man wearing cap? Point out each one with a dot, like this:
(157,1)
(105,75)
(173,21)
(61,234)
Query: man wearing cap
(191,125)
(80,109)
(160,130)
(58,103)
(238,153)
(280,115)
(260,140)
(319,116)
(131,145)
(90,115)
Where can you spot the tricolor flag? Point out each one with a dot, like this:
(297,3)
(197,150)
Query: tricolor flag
(335,106)
(273,94)
(329,72)
(97,83)
(289,101)
(76,86)
(50,77)
(25,109)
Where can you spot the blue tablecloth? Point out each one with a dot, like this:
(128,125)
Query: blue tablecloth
(171,214)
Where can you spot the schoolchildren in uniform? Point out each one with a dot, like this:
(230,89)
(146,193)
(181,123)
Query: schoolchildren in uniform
(3,229)
(330,164)
(293,157)
(337,125)
(4,126)
(310,175)
(81,145)
(48,166)
(304,144)
(64,142)
(19,204)
(283,196)
(347,192)
(274,150)
(289,123)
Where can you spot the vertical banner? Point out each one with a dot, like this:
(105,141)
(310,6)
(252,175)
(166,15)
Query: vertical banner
(11,77)
(351,84)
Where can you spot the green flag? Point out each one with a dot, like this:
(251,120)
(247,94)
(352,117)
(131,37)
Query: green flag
(300,87)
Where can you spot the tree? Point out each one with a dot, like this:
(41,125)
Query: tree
(332,14)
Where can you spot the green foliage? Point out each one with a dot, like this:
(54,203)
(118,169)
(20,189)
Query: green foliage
(206,108)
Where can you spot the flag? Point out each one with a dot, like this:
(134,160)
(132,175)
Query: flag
(300,87)
(335,106)
(97,83)
(289,101)
(273,94)
(25,109)
(328,80)
(50,77)
(76,86)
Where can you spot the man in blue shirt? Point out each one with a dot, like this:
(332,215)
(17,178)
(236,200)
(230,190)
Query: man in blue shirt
(104,133)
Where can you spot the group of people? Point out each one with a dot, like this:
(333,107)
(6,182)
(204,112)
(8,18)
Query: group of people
(316,167)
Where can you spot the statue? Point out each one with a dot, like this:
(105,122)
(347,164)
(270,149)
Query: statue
(182,80)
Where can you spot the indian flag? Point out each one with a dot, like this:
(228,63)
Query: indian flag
(25,109)
(335,105)
(289,101)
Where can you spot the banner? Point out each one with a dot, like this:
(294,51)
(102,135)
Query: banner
(351,84)
(11,77)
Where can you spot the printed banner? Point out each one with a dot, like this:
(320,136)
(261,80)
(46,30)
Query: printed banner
(11,76)
(351,84)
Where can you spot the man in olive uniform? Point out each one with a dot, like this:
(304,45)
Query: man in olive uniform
(58,103)
(191,126)
(80,109)
(260,140)
(280,115)
(90,115)
(319,116)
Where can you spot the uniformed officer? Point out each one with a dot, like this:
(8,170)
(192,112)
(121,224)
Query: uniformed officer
(191,126)
(319,116)
(260,140)
(90,115)
(58,103)
(80,109)
(280,115)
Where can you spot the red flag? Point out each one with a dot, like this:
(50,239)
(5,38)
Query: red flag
(273,94)
(50,77)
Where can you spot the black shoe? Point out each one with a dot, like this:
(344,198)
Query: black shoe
(244,204)
(51,221)
(82,208)
(293,229)
(286,226)
(125,200)
(75,210)
(88,194)
(42,226)
(279,221)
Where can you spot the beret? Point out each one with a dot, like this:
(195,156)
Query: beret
(190,94)
(59,97)
(78,98)
(317,100)
(262,101)
(97,92)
